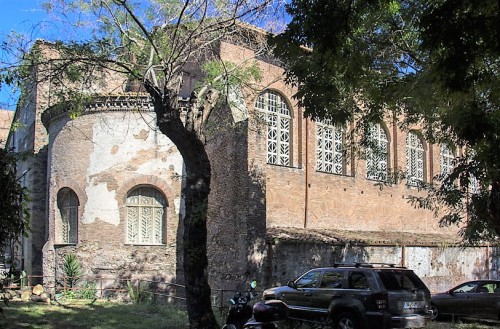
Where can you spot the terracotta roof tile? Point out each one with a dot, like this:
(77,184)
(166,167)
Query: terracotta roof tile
(291,234)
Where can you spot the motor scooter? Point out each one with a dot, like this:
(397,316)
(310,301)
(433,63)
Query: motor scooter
(239,311)
(265,314)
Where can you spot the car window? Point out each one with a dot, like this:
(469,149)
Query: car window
(486,288)
(308,280)
(358,280)
(332,279)
(400,279)
(467,287)
(489,287)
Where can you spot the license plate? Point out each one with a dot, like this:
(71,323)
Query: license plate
(412,305)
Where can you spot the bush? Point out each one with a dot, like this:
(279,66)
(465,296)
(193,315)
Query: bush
(139,294)
(72,270)
(87,291)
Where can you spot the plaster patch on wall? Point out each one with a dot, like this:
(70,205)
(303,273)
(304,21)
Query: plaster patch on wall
(113,132)
(101,205)
(179,206)
(156,166)
(175,160)
(257,255)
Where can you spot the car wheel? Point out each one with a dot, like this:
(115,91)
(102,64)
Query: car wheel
(229,326)
(345,321)
(435,312)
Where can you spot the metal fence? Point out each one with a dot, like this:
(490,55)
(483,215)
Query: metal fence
(116,288)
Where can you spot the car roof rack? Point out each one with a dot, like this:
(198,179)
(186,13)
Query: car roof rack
(369,265)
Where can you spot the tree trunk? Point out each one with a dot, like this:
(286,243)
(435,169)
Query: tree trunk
(195,193)
(494,204)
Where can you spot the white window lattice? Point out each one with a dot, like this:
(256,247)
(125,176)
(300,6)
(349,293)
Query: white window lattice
(278,121)
(377,153)
(68,203)
(414,159)
(329,152)
(474,187)
(447,159)
(145,216)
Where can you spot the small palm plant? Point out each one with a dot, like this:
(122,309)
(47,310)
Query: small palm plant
(72,270)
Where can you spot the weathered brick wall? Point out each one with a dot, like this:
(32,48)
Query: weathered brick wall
(5,123)
(441,268)
(102,156)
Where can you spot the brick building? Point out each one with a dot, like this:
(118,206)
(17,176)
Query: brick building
(5,123)
(287,192)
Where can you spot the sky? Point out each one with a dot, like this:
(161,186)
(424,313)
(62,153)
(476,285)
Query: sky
(20,16)
(27,17)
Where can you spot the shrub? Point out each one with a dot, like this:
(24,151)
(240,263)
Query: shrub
(139,294)
(87,291)
(72,270)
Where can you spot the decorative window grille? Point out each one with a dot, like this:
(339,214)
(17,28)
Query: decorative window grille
(447,159)
(329,152)
(278,119)
(473,185)
(68,203)
(377,153)
(145,216)
(414,159)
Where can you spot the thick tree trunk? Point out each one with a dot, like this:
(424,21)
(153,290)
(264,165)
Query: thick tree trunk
(494,204)
(195,193)
(198,291)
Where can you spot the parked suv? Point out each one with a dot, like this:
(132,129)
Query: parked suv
(359,295)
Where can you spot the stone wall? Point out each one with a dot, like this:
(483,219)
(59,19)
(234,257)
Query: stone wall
(101,156)
(441,268)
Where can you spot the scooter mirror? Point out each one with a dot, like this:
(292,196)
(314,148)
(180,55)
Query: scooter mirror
(253,284)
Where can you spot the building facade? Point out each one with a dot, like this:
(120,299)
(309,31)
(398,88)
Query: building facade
(287,193)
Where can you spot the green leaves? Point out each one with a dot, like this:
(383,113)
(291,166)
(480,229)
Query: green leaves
(72,270)
(221,75)
(14,199)
(436,62)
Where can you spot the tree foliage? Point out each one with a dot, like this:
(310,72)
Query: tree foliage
(436,62)
(155,44)
(15,216)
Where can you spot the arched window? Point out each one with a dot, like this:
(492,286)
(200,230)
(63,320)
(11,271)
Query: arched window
(447,159)
(67,202)
(414,159)
(330,156)
(278,118)
(145,216)
(377,153)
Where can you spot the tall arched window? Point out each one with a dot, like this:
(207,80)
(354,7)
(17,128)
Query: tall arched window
(67,202)
(145,216)
(446,159)
(377,153)
(278,118)
(414,159)
(330,151)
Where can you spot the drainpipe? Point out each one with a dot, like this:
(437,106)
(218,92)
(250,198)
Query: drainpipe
(403,258)
(488,260)
(306,194)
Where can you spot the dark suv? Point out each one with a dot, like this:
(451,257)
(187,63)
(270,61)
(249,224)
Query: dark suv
(359,295)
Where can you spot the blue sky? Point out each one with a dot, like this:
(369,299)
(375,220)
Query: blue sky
(28,17)
(20,16)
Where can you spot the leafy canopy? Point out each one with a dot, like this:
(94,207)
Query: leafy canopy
(435,61)
(15,216)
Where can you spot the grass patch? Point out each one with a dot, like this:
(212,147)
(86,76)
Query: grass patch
(291,324)
(460,325)
(81,314)
(87,315)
